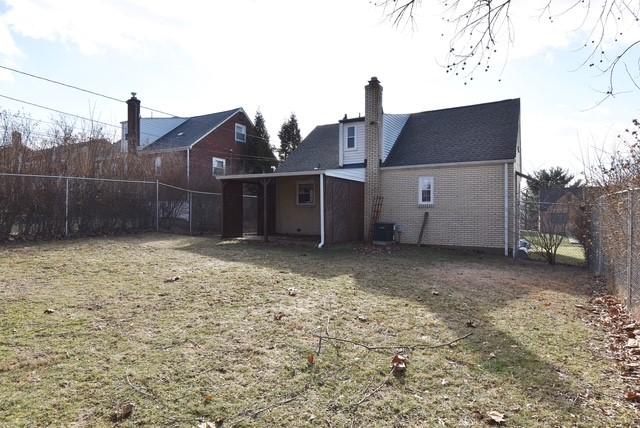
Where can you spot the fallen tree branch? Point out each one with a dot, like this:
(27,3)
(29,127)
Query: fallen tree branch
(398,346)
(367,395)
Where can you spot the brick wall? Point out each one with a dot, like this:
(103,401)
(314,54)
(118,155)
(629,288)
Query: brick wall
(373,135)
(468,209)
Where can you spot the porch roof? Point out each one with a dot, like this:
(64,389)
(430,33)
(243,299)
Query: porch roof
(352,174)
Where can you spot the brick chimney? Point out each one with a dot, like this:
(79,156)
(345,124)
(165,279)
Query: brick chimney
(16,139)
(133,123)
(373,142)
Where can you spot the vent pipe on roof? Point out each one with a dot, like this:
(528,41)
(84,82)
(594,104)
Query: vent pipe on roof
(133,123)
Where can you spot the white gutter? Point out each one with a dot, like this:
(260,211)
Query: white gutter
(321,244)
(506,209)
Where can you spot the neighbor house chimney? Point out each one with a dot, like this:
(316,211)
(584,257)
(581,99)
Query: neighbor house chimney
(16,139)
(373,138)
(133,123)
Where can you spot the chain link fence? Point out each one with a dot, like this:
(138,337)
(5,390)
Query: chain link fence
(615,244)
(49,207)
(551,226)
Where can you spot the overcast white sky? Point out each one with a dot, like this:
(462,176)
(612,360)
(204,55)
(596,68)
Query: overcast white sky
(308,57)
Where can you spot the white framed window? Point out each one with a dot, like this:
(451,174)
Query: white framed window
(158,164)
(425,191)
(241,133)
(350,143)
(218,166)
(305,194)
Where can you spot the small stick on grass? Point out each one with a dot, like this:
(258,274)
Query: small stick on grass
(398,346)
(137,388)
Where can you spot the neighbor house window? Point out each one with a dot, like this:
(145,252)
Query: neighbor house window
(305,194)
(218,166)
(351,137)
(158,164)
(425,190)
(241,133)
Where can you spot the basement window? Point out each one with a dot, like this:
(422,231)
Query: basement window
(218,166)
(241,133)
(425,191)
(306,194)
(351,138)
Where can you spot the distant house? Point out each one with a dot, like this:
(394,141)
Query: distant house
(193,151)
(444,177)
(559,209)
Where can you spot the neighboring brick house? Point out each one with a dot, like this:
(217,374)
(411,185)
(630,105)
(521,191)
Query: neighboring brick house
(444,177)
(190,151)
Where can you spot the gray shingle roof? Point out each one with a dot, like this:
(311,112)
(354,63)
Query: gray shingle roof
(462,134)
(318,150)
(478,132)
(190,131)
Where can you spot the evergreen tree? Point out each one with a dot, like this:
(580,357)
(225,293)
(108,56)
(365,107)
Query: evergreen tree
(289,137)
(259,148)
(553,177)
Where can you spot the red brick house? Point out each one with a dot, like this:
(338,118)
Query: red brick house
(190,151)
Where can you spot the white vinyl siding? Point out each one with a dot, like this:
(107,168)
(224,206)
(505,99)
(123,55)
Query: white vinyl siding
(392,125)
(354,155)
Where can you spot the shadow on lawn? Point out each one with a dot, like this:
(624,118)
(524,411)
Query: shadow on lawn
(468,290)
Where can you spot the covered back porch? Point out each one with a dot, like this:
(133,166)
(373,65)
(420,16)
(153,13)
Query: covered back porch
(326,206)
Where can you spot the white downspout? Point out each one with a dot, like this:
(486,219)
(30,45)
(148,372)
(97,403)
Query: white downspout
(506,209)
(188,166)
(321,244)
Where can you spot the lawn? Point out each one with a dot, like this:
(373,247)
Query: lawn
(568,252)
(91,325)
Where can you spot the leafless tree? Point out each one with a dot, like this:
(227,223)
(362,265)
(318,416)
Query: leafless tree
(479,28)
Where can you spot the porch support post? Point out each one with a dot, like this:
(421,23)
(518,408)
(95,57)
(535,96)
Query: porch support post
(265,221)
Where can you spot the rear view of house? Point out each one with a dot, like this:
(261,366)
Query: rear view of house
(444,177)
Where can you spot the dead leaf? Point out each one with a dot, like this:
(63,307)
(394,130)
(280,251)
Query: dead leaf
(172,279)
(291,291)
(496,417)
(311,359)
(632,343)
(444,382)
(278,316)
(215,424)
(471,324)
(399,364)
(362,318)
(49,311)
(633,396)
(208,398)
(122,413)
(435,293)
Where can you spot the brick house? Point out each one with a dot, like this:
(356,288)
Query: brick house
(189,151)
(445,178)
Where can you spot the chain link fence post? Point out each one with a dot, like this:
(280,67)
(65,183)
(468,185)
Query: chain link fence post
(157,205)
(66,207)
(630,247)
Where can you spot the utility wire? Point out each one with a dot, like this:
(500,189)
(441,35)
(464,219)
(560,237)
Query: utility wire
(68,114)
(77,88)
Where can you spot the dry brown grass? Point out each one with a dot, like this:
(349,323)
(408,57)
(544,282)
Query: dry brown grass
(208,346)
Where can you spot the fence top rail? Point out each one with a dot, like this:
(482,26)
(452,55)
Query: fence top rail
(619,192)
(117,180)
(187,190)
(66,177)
